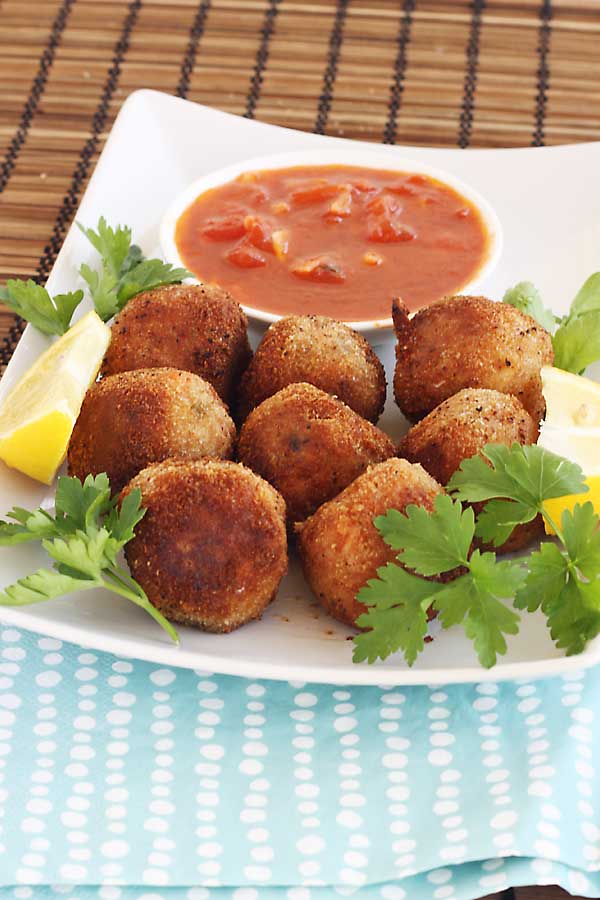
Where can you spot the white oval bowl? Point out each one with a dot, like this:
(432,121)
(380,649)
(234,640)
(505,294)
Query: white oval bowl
(367,158)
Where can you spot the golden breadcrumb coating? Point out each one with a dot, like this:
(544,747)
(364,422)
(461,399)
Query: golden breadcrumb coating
(339,546)
(459,428)
(468,342)
(211,549)
(195,327)
(310,446)
(134,418)
(320,351)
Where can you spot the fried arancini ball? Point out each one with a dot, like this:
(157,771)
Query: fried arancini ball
(194,327)
(212,546)
(134,418)
(468,342)
(339,546)
(459,428)
(309,445)
(320,351)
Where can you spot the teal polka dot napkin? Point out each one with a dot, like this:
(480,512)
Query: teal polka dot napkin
(123,780)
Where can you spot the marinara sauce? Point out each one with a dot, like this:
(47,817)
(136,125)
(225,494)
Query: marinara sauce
(339,241)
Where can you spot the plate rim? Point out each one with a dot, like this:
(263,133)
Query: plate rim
(346,674)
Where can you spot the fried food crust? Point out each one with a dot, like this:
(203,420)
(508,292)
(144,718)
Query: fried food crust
(131,419)
(339,546)
(459,428)
(320,351)
(468,342)
(310,446)
(212,547)
(194,327)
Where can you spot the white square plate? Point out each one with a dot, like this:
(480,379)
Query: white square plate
(548,201)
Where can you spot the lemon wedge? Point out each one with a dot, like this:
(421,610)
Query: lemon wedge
(572,429)
(571,400)
(38,415)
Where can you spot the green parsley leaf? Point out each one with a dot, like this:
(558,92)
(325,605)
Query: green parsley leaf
(525,297)
(103,287)
(431,543)
(147,275)
(121,521)
(527,475)
(45,584)
(80,505)
(498,519)
(565,584)
(397,615)
(83,539)
(547,576)
(28,526)
(113,244)
(587,298)
(574,616)
(577,342)
(475,599)
(33,302)
(582,538)
(123,270)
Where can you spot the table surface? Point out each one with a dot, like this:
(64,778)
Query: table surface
(487,73)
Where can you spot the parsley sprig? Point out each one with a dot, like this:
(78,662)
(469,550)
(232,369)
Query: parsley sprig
(561,578)
(576,340)
(83,539)
(124,272)
(50,315)
(434,543)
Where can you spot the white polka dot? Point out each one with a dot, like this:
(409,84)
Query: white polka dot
(439,757)
(74,873)
(11,701)
(212,751)
(393,892)
(304,700)
(439,876)
(255,690)
(123,698)
(114,849)
(257,874)
(504,820)
(162,677)
(349,819)
(310,844)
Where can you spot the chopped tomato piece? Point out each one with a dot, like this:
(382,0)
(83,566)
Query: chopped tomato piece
(383,205)
(383,222)
(341,206)
(403,189)
(388,231)
(419,179)
(281,242)
(320,269)
(363,187)
(371,258)
(259,233)
(224,228)
(313,192)
(245,255)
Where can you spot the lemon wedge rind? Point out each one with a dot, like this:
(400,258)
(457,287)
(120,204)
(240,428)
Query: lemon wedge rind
(38,415)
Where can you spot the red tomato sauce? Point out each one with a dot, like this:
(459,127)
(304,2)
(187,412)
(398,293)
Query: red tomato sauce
(340,241)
